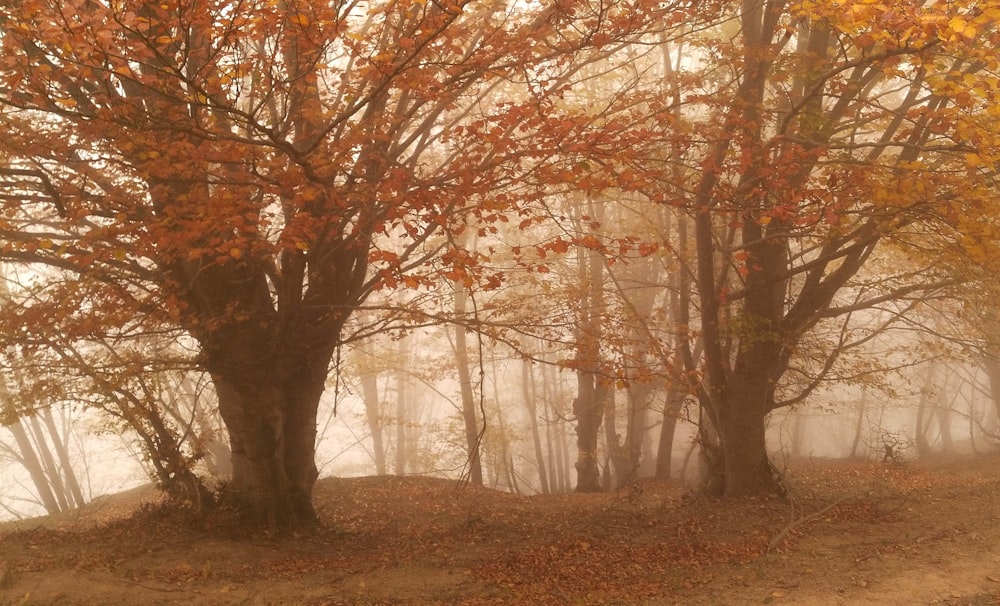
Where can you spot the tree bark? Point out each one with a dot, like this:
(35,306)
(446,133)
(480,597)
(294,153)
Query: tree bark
(668,428)
(527,392)
(373,414)
(589,411)
(859,425)
(927,395)
(271,417)
(62,452)
(465,384)
(30,461)
(49,464)
(403,420)
(747,469)
(992,366)
(588,406)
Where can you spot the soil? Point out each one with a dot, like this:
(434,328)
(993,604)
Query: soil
(850,533)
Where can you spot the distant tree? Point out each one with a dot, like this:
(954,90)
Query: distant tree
(43,450)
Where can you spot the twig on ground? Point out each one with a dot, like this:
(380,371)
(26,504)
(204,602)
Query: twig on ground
(794,523)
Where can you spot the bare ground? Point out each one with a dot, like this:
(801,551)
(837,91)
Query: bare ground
(922,533)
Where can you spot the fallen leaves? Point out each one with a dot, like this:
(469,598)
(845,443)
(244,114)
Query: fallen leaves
(431,541)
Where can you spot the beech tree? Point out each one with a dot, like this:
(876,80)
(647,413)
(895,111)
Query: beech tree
(821,135)
(250,171)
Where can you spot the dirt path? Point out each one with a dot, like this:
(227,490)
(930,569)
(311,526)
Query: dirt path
(855,534)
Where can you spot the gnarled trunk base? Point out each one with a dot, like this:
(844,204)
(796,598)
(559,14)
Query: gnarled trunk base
(746,469)
(272,432)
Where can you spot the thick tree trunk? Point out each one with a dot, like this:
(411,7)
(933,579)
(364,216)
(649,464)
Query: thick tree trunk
(272,430)
(742,426)
(748,472)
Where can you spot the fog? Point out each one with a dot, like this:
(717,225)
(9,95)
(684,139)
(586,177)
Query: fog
(838,422)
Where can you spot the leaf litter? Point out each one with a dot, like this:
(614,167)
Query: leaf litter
(851,532)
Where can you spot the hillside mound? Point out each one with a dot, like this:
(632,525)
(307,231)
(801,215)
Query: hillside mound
(850,533)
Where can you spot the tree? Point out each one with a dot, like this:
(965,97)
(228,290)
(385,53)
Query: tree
(251,171)
(44,454)
(823,134)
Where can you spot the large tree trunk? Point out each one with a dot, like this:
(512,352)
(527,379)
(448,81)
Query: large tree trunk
(271,418)
(742,422)
(747,472)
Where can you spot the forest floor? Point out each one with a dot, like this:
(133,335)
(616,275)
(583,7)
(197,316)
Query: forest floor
(853,533)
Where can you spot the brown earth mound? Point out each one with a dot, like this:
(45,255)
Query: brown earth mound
(853,533)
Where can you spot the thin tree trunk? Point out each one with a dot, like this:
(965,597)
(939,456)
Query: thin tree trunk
(373,414)
(30,461)
(799,422)
(615,466)
(527,392)
(668,429)
(49,463)
(591,387)
(403,414)
(927,395)
(551,419)
(859,425)
(465,385)
(62,452)
(992,367)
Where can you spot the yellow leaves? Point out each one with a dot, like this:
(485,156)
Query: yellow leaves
(974,160)
(961,27)
(299,19)
(236,253)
